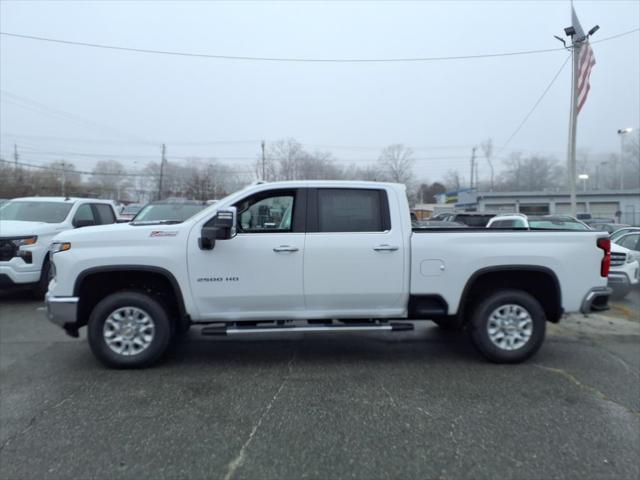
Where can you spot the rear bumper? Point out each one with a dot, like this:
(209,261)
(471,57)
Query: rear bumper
(596,300)
(63,311)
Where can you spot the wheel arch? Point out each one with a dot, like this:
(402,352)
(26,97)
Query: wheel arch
(541,282)
(152,279)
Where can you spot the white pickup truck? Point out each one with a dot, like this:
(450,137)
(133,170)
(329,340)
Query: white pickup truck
(318,256)
(27,227)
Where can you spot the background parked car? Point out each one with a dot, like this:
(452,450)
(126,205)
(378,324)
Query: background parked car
(546,222)
(169,211)
(130,211)
(470,219)
(438,224)
(624,273)
(623,231)
(27,227)
(608,227)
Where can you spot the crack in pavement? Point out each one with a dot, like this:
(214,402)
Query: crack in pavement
(587,388)
(237,462)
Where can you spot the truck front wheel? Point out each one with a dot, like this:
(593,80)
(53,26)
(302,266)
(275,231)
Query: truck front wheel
(129,329)
(508,326)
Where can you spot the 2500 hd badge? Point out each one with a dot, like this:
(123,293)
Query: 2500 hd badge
(218,279)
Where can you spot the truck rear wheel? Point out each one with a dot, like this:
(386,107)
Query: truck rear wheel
(129,330)
(508,326)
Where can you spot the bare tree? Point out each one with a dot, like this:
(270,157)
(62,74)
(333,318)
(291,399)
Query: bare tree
(535,173)
(487,149)
(109,178)
(369,172)
(453,180)
(396,162)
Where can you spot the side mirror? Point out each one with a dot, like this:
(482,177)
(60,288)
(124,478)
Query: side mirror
(83,223)
(220,227)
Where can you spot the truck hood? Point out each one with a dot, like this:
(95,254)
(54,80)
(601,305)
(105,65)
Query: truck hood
(619,249)
(120,233)
(15,228)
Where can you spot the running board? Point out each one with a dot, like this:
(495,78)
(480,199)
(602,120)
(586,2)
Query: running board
(239,330)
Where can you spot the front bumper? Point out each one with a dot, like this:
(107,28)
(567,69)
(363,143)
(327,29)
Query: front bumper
(620,283)
(596,300)
(63,311)
(12,276)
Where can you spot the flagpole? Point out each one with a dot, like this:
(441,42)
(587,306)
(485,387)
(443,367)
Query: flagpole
(579,40)
(573,119)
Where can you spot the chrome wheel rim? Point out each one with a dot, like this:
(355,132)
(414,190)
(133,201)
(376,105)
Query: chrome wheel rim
(510,326)
(128,331)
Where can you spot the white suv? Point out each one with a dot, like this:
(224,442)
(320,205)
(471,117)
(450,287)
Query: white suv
(625,264)
(27,226)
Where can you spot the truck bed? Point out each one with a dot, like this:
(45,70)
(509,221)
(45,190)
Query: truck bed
(443,261)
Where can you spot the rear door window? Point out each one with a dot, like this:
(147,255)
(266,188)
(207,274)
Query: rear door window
(352,210)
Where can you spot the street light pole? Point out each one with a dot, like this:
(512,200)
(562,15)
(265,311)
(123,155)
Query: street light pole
(622,132)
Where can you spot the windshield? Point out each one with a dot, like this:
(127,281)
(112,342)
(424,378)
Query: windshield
(48,212)
(131,209)
(557,225)
(174,212)
(618,233)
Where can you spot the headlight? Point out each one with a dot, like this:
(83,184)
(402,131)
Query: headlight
(59,247)
(20,242)
(633,256)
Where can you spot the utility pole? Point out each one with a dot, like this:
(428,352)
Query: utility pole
(263,170)
(162,162)
(473,166)
(15,158)
(63,180)
(16,172)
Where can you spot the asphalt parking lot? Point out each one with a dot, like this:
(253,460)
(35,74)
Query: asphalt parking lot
(418,404)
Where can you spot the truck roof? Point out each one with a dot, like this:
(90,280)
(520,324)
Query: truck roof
(330,183)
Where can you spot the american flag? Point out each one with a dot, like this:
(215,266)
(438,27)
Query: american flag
(586,61)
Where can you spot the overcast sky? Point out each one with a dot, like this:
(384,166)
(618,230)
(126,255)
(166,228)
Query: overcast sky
(132,102)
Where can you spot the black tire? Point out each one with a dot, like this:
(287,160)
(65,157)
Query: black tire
(478,326)
(148,305)
(40,288)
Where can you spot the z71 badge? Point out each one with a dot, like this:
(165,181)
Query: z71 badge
(163,233)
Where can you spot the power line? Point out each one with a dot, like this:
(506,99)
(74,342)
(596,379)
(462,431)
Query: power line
(115,156)
(114,174)
(293,59)
(38,107)
(535,106)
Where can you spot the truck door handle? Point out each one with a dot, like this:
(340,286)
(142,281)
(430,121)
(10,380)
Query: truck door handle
(285,248)
(386,248)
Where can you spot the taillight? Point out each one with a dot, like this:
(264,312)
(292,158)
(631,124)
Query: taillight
(605,244)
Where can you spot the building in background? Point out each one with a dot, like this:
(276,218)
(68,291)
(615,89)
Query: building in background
(622,205)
